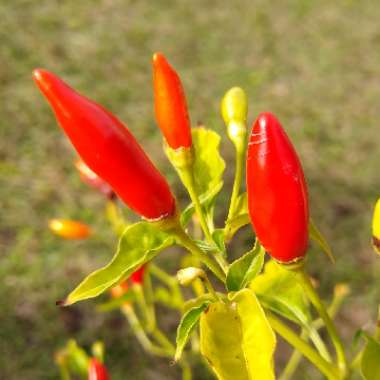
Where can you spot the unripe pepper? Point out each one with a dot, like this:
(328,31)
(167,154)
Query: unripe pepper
(376,227)
(108,149)
(69,229)
(170,104)
(138,276)
(277,191)
(93,180)
(97,371)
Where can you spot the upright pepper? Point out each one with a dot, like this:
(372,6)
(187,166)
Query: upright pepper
(97,371)
(69,229)
(108,149)
(93,180)
(277,191)
(170,104)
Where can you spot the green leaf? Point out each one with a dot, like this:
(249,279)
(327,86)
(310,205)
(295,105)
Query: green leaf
(279,291)
(186,326)
(370,363)
(218,237)
(245,268)
(205,199)
(208,164)
(237,340)
(139,243)
(317,236)
(239,219)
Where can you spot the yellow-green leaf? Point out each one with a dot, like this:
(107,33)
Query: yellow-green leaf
(139,243)
(237,339)
(259,340)
(279,291)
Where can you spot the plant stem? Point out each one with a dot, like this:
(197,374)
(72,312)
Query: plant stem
(239,165)
(170,282)
(296,357)
(328,369)
(141,335)
(187,176)
(304,279)
(186,242)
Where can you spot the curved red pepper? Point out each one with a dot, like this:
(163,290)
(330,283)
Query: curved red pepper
(138,276)
(277,191)
(108,148)
(97,371)
(170,104)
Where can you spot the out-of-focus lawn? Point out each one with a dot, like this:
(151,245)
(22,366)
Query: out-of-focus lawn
(315,64)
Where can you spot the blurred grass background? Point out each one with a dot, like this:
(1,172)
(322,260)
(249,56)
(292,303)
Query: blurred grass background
(314,64)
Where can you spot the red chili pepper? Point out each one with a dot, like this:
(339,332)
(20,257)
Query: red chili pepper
(69,229)
(97,371)
(138,276)
(170,104)
(93,180)
(108,148)
(277,191)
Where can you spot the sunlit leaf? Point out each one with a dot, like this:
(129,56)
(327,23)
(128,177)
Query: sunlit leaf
(139,243)
(237,340)
(279,291)
(245,268)
(259,340)
(208,170)
(186,326)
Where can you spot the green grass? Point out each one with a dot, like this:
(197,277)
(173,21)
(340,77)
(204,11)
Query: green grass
(315,64)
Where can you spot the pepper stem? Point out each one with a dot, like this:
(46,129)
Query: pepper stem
(239,166)
(186,242)
(328,369)
(313,296)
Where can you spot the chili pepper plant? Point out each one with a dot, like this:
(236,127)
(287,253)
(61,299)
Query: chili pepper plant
(238,307)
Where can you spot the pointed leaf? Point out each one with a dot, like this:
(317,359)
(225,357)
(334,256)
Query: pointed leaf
(245,269)
(259,340)
(186,326)
(317,236)
(237,340)
(279,291)
(139,243)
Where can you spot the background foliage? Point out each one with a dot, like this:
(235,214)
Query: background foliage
(314,64)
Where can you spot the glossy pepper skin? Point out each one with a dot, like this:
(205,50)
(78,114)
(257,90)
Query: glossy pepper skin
(277,191)
(108,149)
(138,276)
(170,104)
(97,371)
(69,229)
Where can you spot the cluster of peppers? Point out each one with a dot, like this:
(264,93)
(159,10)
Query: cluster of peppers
(277,197)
